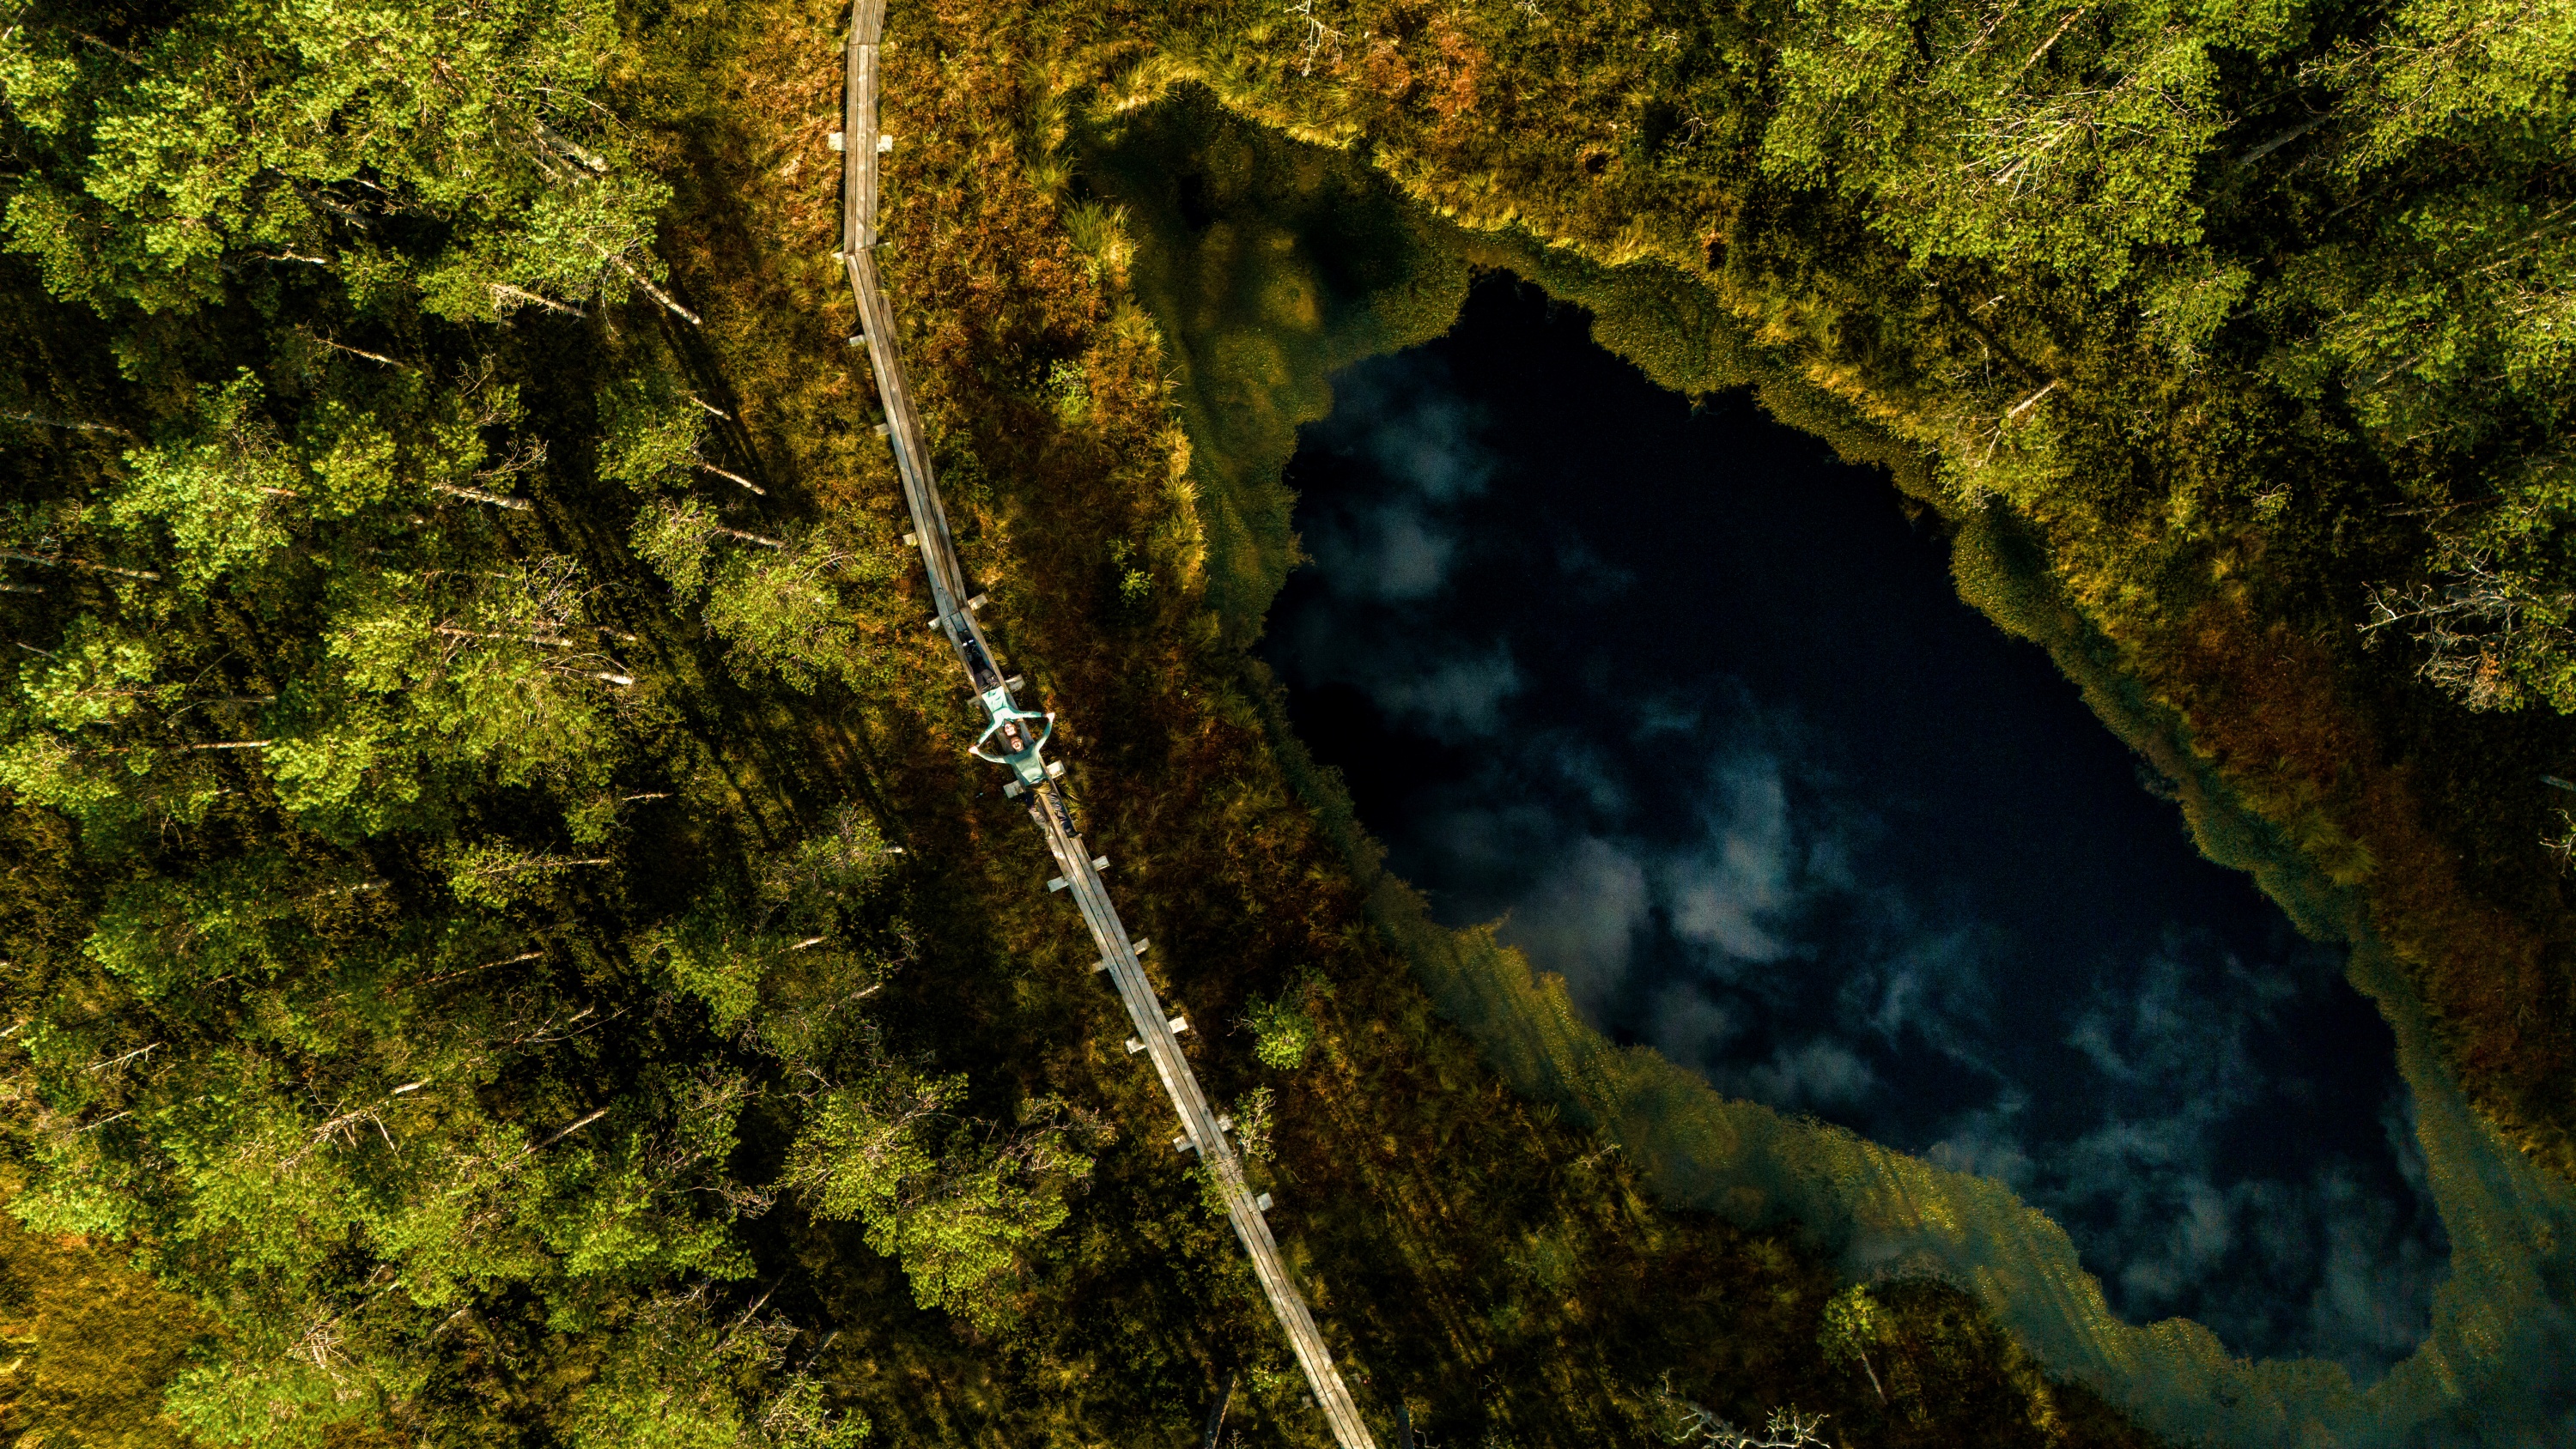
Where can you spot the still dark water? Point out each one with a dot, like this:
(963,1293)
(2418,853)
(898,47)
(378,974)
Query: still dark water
(1699,711)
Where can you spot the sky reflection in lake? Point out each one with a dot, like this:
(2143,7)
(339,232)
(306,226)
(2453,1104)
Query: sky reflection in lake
(1699,711)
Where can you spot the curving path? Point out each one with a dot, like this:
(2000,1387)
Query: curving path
(1157,1035)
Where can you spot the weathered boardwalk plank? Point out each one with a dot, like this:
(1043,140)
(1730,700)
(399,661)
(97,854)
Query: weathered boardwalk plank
(1073,859)
(859,106)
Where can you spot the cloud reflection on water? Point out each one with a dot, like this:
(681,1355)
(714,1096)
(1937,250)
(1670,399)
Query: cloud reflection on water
(1722,876)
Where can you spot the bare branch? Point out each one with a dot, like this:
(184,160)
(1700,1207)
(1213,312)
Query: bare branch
(657,294)
(1314,34)
(67,561)
(446,976)
(706,467)
(337,345)
(477,495)
(2051,43)
(120,1061)
(506,291)
(2026,404)
(41,420)
(568,1131)
(1785,1429)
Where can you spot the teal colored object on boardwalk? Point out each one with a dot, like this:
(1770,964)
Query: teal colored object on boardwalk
(1028,767)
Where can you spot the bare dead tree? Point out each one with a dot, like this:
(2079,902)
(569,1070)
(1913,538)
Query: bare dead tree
(1785,1429)
(2470,623)
(48,420)
(64,560)
(543,604)
(1313,35)
(1216,1414)
(321,1346)
(1692,1425)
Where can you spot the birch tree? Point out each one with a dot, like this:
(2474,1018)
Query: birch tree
(217,487)
(785,612)
(1853,1325)
(682,1373)
(782,962)
(97,729)
(954,1201)
(498,672)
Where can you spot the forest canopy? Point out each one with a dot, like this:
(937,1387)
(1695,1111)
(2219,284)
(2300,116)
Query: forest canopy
(339,710)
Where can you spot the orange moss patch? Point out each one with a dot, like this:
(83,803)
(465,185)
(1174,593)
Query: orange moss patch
(2275,710)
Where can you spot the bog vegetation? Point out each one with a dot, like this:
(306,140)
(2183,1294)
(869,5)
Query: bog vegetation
(498,922)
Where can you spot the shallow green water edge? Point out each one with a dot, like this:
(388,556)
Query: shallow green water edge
(1268,264)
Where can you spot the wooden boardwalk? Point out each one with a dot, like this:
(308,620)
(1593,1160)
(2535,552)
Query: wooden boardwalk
(1155,1036)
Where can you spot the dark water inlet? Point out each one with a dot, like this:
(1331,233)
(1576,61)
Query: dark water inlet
(1698,709)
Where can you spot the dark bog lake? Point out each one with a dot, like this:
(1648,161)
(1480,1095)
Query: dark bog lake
(1698,710)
